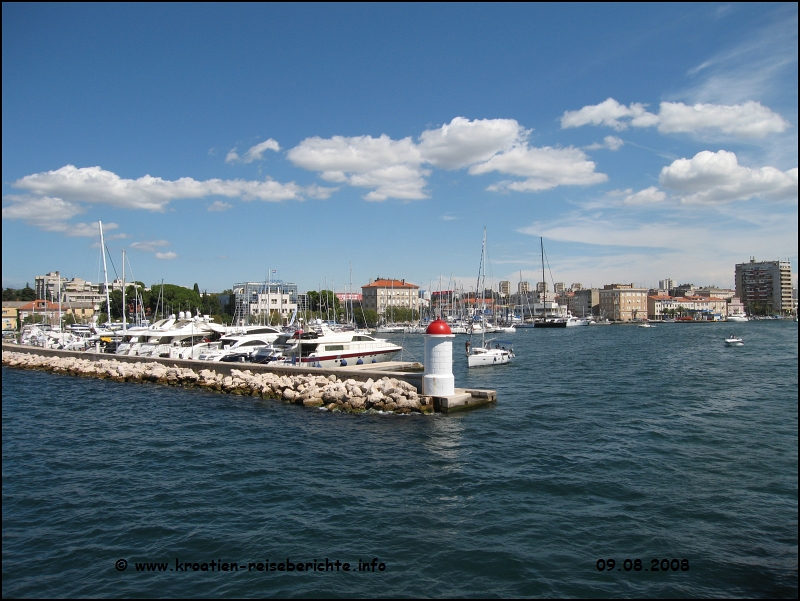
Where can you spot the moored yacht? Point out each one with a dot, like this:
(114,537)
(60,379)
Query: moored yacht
(322,347)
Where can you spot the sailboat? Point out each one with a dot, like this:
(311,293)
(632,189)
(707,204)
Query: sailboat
(483,355)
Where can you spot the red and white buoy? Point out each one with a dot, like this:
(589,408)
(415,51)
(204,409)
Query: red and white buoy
(438,379)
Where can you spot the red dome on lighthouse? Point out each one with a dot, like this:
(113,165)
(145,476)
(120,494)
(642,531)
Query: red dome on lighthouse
(439,327)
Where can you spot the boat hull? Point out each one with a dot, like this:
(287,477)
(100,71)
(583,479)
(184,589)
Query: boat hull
(487,357)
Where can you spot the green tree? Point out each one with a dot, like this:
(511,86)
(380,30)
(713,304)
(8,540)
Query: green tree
(173,298)
(26,294)
(366,318)
(324,303)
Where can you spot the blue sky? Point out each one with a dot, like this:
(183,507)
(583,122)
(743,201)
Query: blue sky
(217,142)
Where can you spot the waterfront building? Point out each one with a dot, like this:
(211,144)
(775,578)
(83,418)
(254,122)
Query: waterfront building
(584,302)
(765,287)
(11,315)
(262,300)
(623,302)
(504,288)
(700,307)
(383,293)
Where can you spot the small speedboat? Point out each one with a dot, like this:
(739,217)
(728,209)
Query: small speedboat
(646,325)
(734,341)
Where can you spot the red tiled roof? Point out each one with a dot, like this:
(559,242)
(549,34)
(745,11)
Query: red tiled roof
(385,283)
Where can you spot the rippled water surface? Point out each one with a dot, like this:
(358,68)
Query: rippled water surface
(607,442)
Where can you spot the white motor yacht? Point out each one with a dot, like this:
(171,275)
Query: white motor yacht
(237,347)
(167,339)
(322,347)
(215,342)
(734,341)
(739,317)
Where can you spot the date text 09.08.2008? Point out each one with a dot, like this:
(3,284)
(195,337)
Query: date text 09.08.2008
(656,565)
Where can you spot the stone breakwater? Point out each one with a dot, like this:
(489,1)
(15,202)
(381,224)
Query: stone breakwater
(328,392)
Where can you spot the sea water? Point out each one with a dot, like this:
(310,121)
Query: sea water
(619,443)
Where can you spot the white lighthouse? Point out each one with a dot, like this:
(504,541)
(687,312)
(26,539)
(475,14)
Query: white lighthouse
(438,379)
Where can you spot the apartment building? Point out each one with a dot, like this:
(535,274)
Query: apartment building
(383,293)
(765,287)
(584,302)
(623,302)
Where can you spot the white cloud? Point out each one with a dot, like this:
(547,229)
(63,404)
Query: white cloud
(647,196)
(41,211)
(544,168)
(748,120)
(218,206)
(610,142)
(391,167)
(716,177)
(95,185)
(254,153)
(166,256)
(396,168)
(609,113)
(463,142)
(149,245)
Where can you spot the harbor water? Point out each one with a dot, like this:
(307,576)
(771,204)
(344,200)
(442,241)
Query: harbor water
(607,443)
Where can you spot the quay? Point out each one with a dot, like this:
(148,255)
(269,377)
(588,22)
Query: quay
(411,373)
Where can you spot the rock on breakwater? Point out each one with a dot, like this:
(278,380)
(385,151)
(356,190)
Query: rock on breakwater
(329,392)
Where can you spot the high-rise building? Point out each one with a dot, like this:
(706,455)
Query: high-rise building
(504,288)
(667,284)
(765,287)
(523,288)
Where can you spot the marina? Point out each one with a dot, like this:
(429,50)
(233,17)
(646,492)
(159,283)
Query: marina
(684,448)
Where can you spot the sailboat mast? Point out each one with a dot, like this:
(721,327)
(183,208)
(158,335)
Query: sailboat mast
(482,285)
(105,270)
(544,282)
(124,324)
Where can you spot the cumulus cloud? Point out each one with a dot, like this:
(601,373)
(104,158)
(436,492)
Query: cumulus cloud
(750,119)
(254,153)
(716,177)
(219,206)
(397,168)
(609,142)
(52,215)
(391,167)
(647,196)
(544,168)
(462,142)
(610,113)
(166,256)
(95,185)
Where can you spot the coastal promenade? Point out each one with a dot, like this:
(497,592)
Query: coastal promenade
(310,386)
